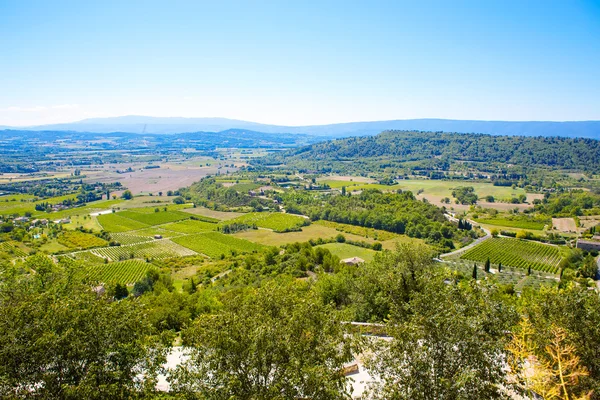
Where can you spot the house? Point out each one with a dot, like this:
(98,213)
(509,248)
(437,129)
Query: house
(352,261)
(20,220)
(588,245)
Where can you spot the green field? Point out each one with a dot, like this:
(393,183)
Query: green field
(129,238)
(10,250)
(372,233)
(212,215)
(431,187)
(515,223)
(517,253)
(213,244)
(116,223)
(190,226)
(155,249)
(125,272)
(345,250)
(154,218)
(80,240)
(278,222)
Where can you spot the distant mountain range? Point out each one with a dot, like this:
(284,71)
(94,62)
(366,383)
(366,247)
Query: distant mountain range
(162,125)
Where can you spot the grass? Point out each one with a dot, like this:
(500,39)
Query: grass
(516,253)
(116,223)
(278,222)
(215,244)
(344,250)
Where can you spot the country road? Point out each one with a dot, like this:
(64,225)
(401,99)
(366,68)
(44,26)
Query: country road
(475,242)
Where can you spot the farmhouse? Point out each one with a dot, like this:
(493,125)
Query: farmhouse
(352,261)
(588,245)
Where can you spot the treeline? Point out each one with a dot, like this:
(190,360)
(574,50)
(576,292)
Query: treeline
(446,149)
(211,194)
(397,212)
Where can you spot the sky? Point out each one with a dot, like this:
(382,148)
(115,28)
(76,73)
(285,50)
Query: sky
(299,62)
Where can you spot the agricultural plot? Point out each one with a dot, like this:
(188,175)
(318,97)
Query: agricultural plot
(116,223)
(513,276)
(278,222)
(80,240)
(11,250)
(517,253)
(213,244)
(515,223)
(372,233)
(155,249)
(345,250)
(129,238)
(154,218)
(125,272)
(190,226)
(86,257)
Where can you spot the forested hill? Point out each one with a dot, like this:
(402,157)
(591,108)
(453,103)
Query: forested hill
(403,146)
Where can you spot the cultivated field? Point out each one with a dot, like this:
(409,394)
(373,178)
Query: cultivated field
(564,225)
(278,222)
(372,233)
(190,226)
(214,244)
(117,223)
(125,272)
(80,240)
(517,253)
(155,249)
(219,215)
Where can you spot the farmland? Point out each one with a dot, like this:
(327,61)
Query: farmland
(517,253)
(155,249)
(190,226)
(277,222)
(521,223)
(116,223)
(372,233)
(129,238)
(214,244)
(80,240)
(154,217)
(11,250)
(344,250)
(125,272)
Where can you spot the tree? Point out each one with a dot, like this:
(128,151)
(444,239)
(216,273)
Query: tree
(487,265)
(62,340)
(490,198)
(127,195)
(343,190)
(445,345)
(178,200)
(121,291)
(500,267)
(494,232)
(279,341)
(475,271)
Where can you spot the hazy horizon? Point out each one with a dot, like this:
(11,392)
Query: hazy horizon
(300,64)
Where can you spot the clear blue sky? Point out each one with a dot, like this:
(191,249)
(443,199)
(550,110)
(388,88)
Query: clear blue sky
(299,62)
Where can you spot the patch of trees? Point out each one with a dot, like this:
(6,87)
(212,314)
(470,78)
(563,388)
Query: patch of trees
(465,194)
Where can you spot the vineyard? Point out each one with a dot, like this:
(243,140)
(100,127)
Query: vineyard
(12,251)
(80,240)
(214,244)
(155,249)
(126,272)
(517,253)
(278,222)
(129,238)
(116,223)
(190,226)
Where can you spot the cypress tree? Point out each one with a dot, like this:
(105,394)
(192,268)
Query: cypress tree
(500,267)
(460,225)
(475,271)
(487,265)
(529,270)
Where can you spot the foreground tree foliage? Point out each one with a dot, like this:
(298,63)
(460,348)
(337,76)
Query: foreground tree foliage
(278,342)
(60,340)
(447,343)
